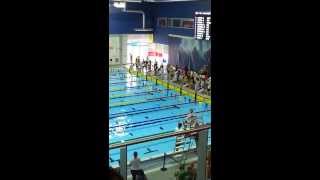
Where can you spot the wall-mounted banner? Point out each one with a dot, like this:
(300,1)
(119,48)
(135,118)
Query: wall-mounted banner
(195,54)
(154,53)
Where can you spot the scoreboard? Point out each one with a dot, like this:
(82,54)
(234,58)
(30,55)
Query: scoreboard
(202,24)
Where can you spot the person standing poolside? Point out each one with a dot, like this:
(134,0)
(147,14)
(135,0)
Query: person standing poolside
(176,74)
(149,66)
(202,86)
(197,85)
(135,164)
(131,68)
(155,66)
(145,64)
(189,119)
(191,123)
(168,70)
(161,70)
(138,58)
(209,84)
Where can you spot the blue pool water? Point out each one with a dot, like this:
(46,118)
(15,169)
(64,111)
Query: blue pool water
(139,108)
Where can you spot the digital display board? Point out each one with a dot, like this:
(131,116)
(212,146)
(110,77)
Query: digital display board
(202,25)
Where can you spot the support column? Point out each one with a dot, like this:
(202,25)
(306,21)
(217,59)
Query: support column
(123,54)
(123,162)
(120,50)
(202,155)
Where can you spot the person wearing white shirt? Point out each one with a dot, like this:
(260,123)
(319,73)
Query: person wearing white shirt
(189,120)
(209,84)
(135,162)
(197,85)
(136,170)
(176,74)
(202,86)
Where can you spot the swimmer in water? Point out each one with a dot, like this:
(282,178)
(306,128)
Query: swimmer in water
(119,130)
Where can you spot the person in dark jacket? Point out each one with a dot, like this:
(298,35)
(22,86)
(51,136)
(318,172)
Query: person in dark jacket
(113,174)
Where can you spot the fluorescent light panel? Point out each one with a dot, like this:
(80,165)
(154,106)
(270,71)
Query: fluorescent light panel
(119,4)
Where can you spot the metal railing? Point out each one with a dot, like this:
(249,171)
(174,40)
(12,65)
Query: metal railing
(115,65)
(157,137)
(201,147)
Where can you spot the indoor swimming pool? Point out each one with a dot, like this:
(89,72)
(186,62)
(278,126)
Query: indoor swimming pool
(140,107)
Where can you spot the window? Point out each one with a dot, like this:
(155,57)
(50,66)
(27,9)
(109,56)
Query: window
(176,22)
(169,22)
(186,23)
(162,22)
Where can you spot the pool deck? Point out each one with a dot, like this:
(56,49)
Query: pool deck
(175,87)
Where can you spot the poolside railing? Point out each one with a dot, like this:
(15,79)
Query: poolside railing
(201,149)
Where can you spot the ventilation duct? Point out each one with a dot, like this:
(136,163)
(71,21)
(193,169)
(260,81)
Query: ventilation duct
(143,29)
(122,5)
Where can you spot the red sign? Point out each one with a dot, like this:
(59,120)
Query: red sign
(154,53)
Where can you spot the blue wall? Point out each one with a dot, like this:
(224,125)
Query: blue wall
(176,9)
(124,23)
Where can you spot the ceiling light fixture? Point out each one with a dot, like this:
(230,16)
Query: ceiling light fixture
(119,4)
